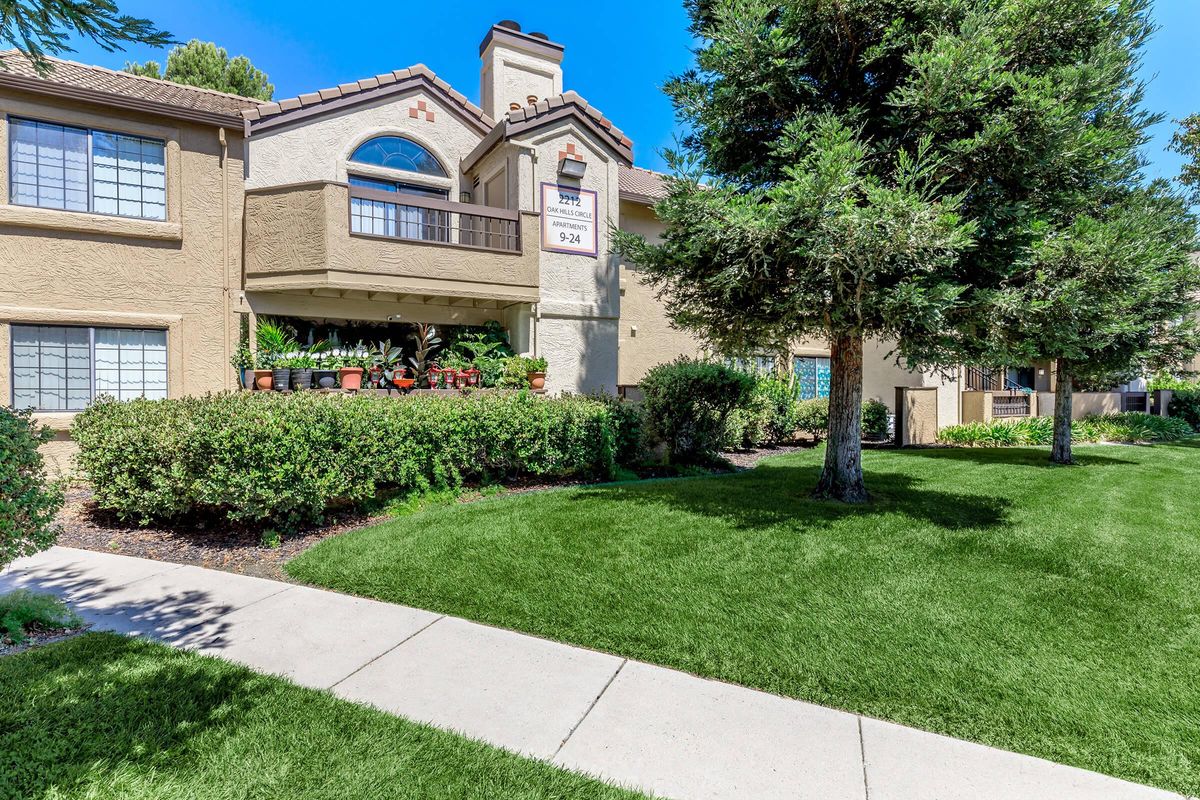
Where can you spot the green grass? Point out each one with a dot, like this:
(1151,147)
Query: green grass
(101,716)
(23,611)
(984,594)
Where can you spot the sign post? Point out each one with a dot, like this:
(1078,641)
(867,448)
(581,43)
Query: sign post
(569,220)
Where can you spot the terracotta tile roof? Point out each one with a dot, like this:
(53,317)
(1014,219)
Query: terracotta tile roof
(120,88)
(571,99)
(641,185)
(367,87)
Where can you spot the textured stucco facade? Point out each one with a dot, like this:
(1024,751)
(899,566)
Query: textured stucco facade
(180,275)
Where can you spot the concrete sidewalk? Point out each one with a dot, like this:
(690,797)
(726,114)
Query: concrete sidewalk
(655,729)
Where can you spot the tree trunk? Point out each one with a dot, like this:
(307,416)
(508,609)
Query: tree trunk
(1061,452)
(842,478)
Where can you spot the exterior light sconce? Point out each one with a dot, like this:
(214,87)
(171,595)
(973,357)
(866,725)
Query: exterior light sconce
(464,197)
(572,168)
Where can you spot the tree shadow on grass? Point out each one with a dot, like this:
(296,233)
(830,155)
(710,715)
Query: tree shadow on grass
(778,494)
(1014,456)
(78,713)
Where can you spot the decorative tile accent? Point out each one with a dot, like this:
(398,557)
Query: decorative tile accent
(570,152)
(421,108)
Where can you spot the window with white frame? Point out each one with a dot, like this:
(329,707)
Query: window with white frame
(63,368)
(79,169)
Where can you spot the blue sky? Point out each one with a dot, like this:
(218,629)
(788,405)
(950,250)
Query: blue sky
(618,59)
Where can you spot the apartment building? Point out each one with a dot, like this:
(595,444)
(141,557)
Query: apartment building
(143,222)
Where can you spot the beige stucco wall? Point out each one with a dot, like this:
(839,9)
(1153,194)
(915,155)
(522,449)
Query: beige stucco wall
(917,415)
(645,337)
(298,237)
(319,148)
(575,326)
(1083,404)
(65,267)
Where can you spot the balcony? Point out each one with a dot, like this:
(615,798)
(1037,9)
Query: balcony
(332,239)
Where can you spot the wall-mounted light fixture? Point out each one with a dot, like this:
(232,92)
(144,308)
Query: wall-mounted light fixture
(464,197)
(572,168)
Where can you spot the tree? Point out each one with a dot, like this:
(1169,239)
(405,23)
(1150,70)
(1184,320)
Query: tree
(876,168)
(40,27)
(1106,286)
(1186,142)
(204,64)
(1109,297)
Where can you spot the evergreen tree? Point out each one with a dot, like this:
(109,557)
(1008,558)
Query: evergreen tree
(884,168)
(204,64)
(40,27)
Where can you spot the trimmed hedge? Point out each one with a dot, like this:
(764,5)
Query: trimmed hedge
(686,404)
(252,457)
(1129,427)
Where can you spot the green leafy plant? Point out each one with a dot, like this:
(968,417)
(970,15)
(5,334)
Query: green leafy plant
(271,539)
(22,609)
(875,419)
(242,358)
(28,499)
(1133,427)
(686,403)
(426,341)
(275,340)
(1185,405)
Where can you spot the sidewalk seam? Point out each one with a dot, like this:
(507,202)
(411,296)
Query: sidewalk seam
(862,752)
(368,663)
(591,705)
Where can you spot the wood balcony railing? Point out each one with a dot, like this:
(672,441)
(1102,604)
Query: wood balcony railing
(393,215)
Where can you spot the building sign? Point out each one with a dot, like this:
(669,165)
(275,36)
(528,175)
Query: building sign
(568,220)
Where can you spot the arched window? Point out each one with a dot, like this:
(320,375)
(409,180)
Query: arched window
(396,152)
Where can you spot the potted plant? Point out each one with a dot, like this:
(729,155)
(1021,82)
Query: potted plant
(281,374)
(243,362)
(350,372)
(263,376)
(325,373)
(385,357)
(426,340)
(535,369)
(302,371)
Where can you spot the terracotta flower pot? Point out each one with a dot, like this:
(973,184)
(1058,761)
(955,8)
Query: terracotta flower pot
(537,381)
(350,378)
(404,383)
(262,380)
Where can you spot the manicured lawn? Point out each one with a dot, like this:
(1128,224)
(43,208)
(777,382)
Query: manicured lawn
(985,594)
(101,716)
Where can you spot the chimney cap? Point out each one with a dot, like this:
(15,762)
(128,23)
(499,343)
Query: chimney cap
(510,33)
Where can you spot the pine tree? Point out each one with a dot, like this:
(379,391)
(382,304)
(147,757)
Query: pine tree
(204,64)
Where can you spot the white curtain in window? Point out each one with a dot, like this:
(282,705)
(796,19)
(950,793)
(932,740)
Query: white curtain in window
(131,363)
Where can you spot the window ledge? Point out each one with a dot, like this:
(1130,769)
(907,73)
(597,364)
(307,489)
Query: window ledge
(84,222)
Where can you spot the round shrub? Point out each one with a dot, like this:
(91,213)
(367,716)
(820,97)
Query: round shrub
(1185,404)
(28,501)
(686,404)
(875,419)
(253,457)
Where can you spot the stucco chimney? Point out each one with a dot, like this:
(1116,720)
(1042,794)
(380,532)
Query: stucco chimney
(517,67)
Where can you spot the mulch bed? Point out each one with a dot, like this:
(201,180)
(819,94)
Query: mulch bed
(36,636)
(212,544)
(216,544)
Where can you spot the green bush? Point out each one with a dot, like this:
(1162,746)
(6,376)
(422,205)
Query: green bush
(1185,405)
(875,419)
(1130,427)
(253,457)
(768,416)
(28,501)
(812,417)
(687,403)
(21,609)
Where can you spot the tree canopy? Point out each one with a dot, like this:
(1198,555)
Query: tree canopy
(884,168)
(39,28)
(206,65)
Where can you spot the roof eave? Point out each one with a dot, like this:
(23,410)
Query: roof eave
(66,91)
(507,129)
